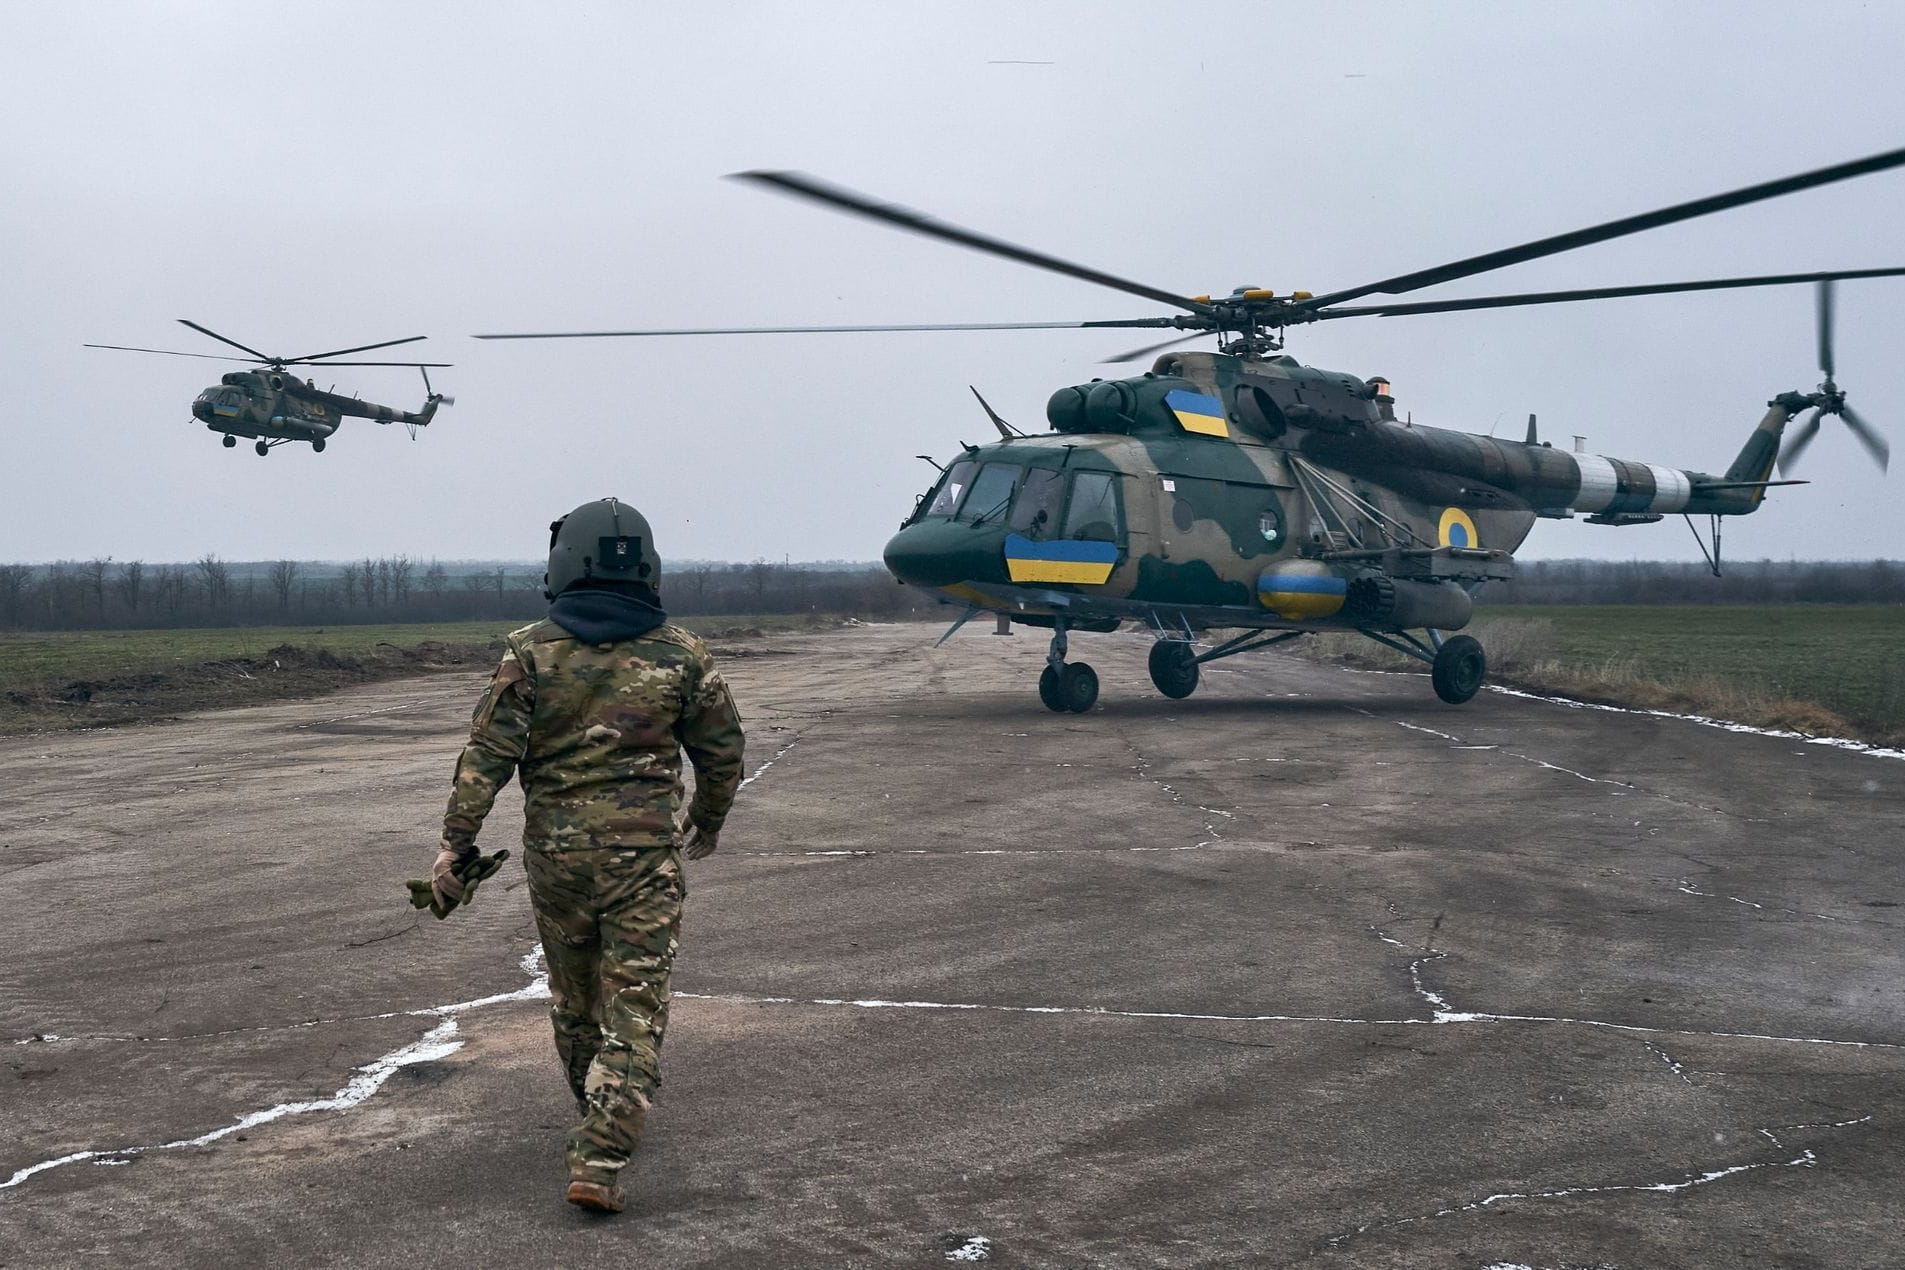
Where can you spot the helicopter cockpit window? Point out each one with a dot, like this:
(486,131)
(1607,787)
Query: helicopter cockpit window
(1036,511)
(1093,510)
(958,477)
(991,491)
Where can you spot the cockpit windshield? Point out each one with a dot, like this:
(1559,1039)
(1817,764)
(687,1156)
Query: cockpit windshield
(991,491)
(951,489)
(970,491)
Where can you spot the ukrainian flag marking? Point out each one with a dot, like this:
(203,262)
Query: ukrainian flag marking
(1197,412)
(1302,596)
(1059,560)
(1457,530)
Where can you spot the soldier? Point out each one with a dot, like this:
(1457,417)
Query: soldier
(593,706)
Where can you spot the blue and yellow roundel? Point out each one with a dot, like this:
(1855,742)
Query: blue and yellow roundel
(1457,530)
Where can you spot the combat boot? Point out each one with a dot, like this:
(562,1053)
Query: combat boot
(600,1197)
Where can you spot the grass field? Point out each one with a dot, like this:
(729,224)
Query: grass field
(57,680)
(1825,668)
(1836,669)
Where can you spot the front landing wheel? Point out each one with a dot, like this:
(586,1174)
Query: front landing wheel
(1174,668)
(229,441)
(1078,687)
(1048,684)
(1458,671)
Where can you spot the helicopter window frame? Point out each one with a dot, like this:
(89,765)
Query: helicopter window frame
(983,499)
(1041,494)
(950,491)
(1110,499)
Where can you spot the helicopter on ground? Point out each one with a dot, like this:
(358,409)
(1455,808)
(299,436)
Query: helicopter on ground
(275,407)
(1240,491)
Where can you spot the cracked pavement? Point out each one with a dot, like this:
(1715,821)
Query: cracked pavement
(1309,969)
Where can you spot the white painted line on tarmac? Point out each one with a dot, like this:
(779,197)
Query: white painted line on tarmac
(1804,1160)
(438,1042)
(1833,742)
(1438,1017)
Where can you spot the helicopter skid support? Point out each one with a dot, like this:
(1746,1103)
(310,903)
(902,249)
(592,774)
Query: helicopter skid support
(1248,642)
(1407,644)
(1713,532)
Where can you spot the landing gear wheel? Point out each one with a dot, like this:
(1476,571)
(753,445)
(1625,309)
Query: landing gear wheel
(1048,682)
(317,446)
(262,449)
(1174,668)
(1458,670)
(1078,687)
(229,441)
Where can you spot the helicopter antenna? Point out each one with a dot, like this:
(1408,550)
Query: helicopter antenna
(1006,431)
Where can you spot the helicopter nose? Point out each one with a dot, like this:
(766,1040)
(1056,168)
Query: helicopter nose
(942,553)
(202,411)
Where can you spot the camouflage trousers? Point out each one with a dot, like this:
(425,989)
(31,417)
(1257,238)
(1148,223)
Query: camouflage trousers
(609,918)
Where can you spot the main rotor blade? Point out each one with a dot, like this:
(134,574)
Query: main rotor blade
(1825,327)
(169,352)
(1868,436)
(1599,293)
(222,340)
(361,348)
(1797,443)
(1612,229)
(801,185)
(1137,354)
(302,362)
(829,330)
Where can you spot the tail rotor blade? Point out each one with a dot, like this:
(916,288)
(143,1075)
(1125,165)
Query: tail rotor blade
(1825,328)
(1797,443)
(1868,437)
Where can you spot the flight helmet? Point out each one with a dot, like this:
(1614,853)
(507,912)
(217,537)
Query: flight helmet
(603,541)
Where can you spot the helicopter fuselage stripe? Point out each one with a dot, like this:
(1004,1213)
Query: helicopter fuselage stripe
(1600,484)
(1672,489)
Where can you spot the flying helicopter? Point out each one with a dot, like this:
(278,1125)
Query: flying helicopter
(1241,492)
(275,407)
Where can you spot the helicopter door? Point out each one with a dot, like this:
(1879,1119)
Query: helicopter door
(1093,512)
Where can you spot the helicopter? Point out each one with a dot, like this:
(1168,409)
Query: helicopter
(1243,493)
(275,407)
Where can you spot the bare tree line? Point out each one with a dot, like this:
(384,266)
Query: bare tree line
(102,594)
(1662,582)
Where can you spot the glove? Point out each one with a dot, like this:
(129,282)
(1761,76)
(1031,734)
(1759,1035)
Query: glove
(453,880)
(693,841)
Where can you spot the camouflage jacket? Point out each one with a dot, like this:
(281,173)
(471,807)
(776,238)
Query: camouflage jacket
(594,730)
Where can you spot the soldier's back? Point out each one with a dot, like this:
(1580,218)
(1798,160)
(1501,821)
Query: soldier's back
(602,761)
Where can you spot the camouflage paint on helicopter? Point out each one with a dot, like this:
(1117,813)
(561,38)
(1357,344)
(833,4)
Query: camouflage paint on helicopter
(1293,494)
(275,407)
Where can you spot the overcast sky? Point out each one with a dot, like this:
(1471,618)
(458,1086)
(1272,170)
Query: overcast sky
(303,177)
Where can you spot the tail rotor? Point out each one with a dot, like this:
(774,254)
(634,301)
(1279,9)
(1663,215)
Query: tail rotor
(1830,400)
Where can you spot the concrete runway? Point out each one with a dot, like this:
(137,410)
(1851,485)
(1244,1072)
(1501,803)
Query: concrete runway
(1310,969)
